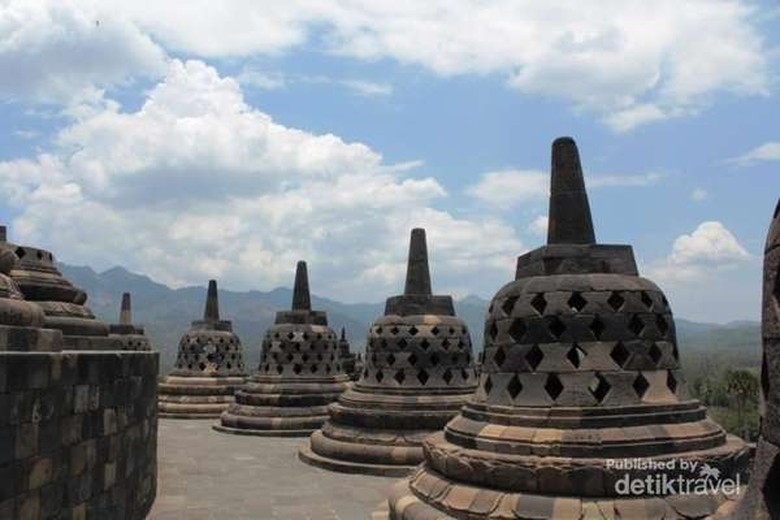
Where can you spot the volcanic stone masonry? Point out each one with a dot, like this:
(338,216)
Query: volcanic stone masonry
(131,336)
(300,373)
(581,366)
(762,500)
(78,429)
(63,304)
(209,367)
(418,372)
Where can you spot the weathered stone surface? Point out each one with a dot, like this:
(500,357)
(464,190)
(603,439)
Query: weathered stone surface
(581,365)
(209,367)
(418,372)
(762,500)
(300,373)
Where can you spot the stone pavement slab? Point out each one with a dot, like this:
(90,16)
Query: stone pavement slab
(204,474)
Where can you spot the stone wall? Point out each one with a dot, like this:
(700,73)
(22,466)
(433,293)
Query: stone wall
(78,434)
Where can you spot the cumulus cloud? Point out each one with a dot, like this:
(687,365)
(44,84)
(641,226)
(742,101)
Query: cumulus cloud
(699,194)
(50,51)
(627,61)
(195,184)
(539,225)
(709,249)
(764,153)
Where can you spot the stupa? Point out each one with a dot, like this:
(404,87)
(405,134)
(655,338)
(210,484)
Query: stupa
(348,358)
(63,304)
(21,322)
(299,375)
(762,500)
(418,372)
(580,411)
(132,337)
(208,369)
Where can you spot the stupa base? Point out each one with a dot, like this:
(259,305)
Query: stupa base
(272,421)
(196,397)
(260,433)
(462,502)
(305,454)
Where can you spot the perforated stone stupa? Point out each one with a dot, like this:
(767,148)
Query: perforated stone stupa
(132,337)
(762,500)
(63,304)
(581,367)
(209,367)
(418,372)
(348,358)
(300,373)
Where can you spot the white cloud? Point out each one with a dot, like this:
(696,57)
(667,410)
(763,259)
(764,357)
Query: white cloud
(627,61)
(506,188)
(51,50)
(197,184)
(699,194)
(539,225)
(368,88)
(769,151)
(709,249)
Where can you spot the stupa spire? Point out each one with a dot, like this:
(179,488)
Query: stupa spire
(570,221)
(211,313)
(418,276)
(301,297)
(125,312)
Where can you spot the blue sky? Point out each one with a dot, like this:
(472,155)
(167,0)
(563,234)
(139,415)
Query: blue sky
(231,140)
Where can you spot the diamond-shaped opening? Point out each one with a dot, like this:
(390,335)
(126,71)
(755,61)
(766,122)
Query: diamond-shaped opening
(575,355)
(577,302)
(447,376)
(636,325)
(319,357)
(445,343)
(319,336)
(434,359)
(464,374)
(492,330)
(665,301)
(553,386)
(390,359)
(327,369)
(402,343)
(616,301)
(279,369)
(423,376)
(290,335)
(508,305)
(413,330)
(488,386)
(641,385)
(534,356)
(313,368)
(599,387)
(539,303)
(297,368)
(378,330)
(620,354)
(514,387)
(597,327)
(20,252)
(306,336)
(647,301)
(517,330)
(373,358)
(289,357)
(305,357)
(394,331)
(655,353)
(425,344)
(412,360)
(499,357)
(399,376)
(435,330)
(383,343)
(662,324)
(671,382)
(379,376)
(556,327)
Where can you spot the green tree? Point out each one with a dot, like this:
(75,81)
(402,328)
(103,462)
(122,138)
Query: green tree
(742,386)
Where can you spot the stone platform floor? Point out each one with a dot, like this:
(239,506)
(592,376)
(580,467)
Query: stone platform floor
(203,474)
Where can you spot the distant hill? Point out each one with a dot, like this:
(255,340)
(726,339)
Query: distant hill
(166,313)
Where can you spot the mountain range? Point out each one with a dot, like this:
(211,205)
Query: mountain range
(166,314)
